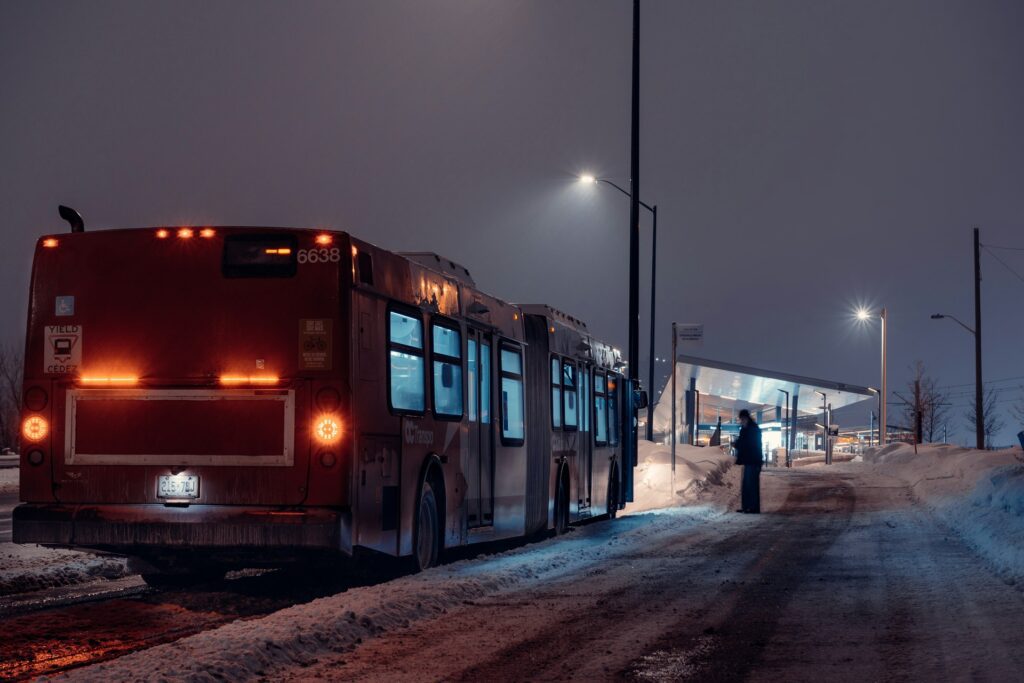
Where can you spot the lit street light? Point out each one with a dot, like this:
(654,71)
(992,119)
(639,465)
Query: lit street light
(588,179)
(864,315)
(979,401)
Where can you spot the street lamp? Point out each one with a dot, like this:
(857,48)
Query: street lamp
(864,315)
(979,399)
(589,179)
(787,428)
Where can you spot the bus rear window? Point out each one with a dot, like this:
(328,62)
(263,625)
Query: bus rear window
(260,255)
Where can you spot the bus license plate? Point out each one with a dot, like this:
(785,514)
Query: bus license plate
(178,486)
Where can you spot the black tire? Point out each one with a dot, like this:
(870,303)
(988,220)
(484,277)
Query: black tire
(562,506)
(613,494)
(427,537)
(184,579)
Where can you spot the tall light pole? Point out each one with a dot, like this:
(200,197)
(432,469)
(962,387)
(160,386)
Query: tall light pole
(979,402)
(864,314)
(634,205)
(589,179)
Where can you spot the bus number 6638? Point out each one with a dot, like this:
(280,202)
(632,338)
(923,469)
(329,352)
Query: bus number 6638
(319,255)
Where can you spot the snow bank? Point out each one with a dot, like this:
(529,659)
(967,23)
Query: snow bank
(979,494)
(8,479)
(698,471)
(297,636)
(26,568)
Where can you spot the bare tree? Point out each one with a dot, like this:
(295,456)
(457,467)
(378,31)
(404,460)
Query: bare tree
(927,400)
(10,395)
(993,423)
(1017,408)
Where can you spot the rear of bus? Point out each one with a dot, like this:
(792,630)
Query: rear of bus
(185,395)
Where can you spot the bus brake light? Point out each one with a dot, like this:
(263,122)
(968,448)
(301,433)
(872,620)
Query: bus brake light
(245,379)
(35,428)
(327,429)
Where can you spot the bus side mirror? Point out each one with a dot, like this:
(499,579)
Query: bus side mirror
(640,399)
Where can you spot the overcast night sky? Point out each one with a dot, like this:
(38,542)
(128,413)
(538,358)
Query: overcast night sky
(806,157)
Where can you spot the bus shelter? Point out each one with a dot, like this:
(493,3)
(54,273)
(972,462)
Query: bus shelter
(701,404)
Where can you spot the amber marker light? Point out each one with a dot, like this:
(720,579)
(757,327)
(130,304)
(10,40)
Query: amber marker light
(327,429)
(207,233)
(283,251)
(162,234)
(34,428)
(246,379)
(185,233)
(50,243)
(324,240)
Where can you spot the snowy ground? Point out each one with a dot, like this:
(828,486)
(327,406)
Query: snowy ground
(904,567)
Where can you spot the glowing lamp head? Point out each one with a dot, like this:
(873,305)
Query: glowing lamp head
(34,428)
(185,233)
(327,429)
(863,314)
(587,179)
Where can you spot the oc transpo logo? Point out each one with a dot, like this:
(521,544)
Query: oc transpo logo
(414,435)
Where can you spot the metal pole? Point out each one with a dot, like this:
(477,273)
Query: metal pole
(634,205)
(673,401)
(979,400)
(650,372)
(882,397)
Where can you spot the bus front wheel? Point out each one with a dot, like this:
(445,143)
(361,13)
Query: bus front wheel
(428,529)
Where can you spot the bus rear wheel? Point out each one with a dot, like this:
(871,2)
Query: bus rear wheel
(427,543)
(562,505)
(189,579)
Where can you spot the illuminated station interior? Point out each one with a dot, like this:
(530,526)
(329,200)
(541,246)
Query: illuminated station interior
(710,394)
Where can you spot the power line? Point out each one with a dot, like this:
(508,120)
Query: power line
(1004,263)
(988,381)
(992,246)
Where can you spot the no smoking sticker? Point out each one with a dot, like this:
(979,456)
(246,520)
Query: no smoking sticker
(62,349)
(315,344)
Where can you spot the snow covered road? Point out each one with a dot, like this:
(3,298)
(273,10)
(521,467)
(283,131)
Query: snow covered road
(845,578)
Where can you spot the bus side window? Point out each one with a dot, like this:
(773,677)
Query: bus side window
(556,393)
(485,383)
(472,378)
(446,354)
(513,424)
(613,410)
(569,393)
(600,411)
(405,363)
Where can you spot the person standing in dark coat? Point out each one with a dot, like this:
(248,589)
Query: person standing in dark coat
(748,454)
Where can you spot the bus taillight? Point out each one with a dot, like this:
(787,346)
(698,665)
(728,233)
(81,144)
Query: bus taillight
(35,428)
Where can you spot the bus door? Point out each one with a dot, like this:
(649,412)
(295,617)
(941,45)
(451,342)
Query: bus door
(480,468)
(584,442)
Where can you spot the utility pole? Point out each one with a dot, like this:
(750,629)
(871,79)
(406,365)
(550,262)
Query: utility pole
(979,402)
(883,425)
(634,206)
(650,370)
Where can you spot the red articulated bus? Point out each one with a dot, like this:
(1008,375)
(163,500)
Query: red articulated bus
(205,398)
